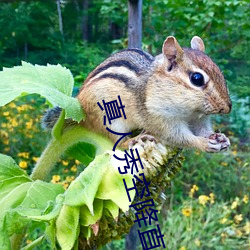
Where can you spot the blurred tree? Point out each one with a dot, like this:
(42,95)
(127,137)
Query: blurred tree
(30,31)
(134,23)
(58,2)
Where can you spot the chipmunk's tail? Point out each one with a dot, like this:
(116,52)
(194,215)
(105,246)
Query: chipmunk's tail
(50,117)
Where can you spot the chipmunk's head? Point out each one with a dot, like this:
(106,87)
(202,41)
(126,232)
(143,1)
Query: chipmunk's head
(198,77)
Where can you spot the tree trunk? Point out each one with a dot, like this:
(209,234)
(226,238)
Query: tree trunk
(85,20)
(59,16)
(135,23)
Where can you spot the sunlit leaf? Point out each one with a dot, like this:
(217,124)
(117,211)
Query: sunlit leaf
(83,189)
(53,82)
(86,218)
(112,207)
(83,152)
(67,225)
(9,168)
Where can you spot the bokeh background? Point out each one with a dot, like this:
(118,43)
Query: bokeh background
(207,206)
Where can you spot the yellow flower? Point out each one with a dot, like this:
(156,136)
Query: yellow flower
(29,124)
(35,159)
(223,220)
(6,149)
(211,195)
(197,242)
(14,123)
(23,107)
(4,134)
(24,154)
(6,113)
(28,241)
(12,105)
(182,248)
(203,199)
(238,218)
(65,185)
(234,152)
(238,159)
(73,168)
(187,211)
(55,178)
(223,235)
(6,141)
(245,199)
(23,164)
(192,190)
(77,162)
(70,178)
(65,163)
(247,227)
(235,203)
(224,164)
(238,233)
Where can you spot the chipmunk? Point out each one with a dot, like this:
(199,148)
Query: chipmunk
(170,97)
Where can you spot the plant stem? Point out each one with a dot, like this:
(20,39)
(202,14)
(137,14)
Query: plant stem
(57,147)
(16,240)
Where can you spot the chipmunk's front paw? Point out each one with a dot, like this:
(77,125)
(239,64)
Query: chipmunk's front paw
(218,142)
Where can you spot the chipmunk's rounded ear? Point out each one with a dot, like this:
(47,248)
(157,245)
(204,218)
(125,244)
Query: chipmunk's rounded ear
(171,49)
(197,43)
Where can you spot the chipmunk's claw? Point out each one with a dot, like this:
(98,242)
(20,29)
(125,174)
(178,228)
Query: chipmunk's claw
(218,142)
(141,139)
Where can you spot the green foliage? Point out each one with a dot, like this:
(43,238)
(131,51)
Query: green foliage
(24,200)
(30,32)
(204,223)
(19,198)
(52,82)
(209,172)
(223,25)
(81,58)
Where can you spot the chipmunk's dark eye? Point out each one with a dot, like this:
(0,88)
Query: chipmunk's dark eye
(197,79)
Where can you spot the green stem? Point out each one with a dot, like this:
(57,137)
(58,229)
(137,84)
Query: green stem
(57,147)
(16,240)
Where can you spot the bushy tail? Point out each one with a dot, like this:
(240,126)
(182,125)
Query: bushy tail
(50,118)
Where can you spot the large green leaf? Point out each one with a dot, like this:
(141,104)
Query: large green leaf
(83,189)
(49,214)
(86,218)
(101,180)
(53,82)
(67,226)
(83,152)
(9,168)
(39,194)
(6,186)
(22,200)
(112,186)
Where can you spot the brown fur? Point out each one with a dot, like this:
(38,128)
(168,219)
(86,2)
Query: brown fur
(158,95)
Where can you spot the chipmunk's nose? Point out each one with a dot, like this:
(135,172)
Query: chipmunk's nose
(227,108)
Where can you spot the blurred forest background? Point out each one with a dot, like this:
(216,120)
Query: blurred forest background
(208,204)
